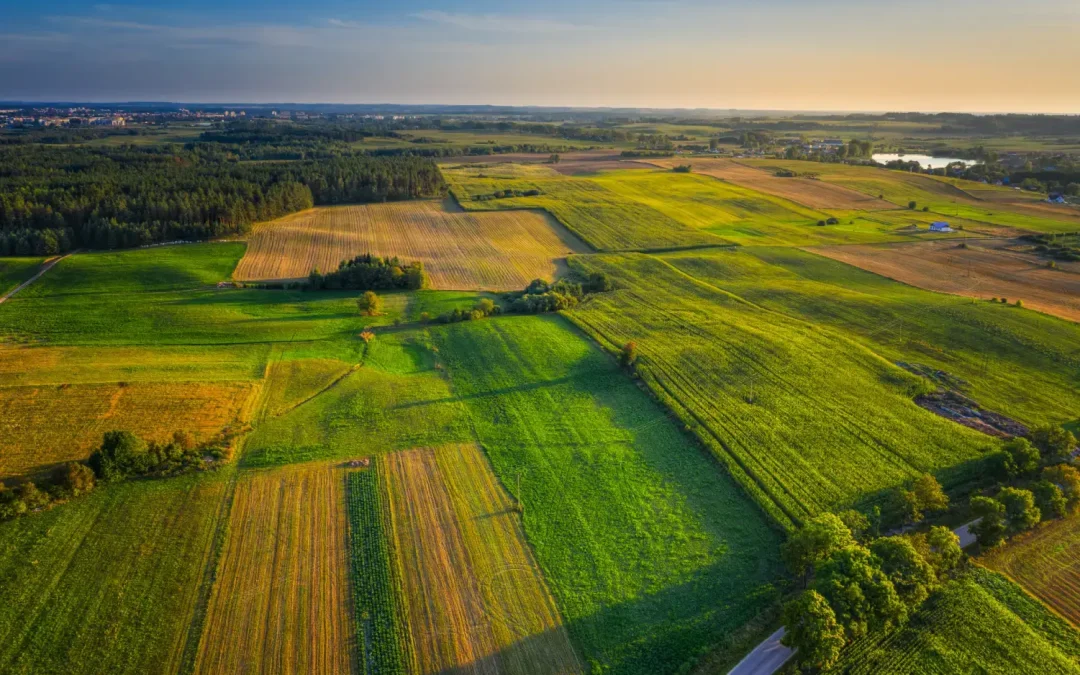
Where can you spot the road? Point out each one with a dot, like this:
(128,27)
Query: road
(44,268)
(770,655)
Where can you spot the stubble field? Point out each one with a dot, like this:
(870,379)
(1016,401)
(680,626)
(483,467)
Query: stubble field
(502,250)
(1044,562)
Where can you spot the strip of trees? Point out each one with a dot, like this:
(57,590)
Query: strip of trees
(369,272)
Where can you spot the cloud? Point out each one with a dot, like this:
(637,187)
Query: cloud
(497,23)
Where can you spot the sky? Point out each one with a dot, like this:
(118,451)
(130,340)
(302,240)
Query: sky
(872,55)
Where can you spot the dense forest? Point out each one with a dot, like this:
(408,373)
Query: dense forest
(53,199)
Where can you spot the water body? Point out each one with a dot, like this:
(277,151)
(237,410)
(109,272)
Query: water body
(926,161)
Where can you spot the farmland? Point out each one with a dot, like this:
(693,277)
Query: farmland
(978,623)
(108,583)
(1013,360)
(1044,562)
(502,250)
(639,535)
(280,599)
(806,419)
(598,216)
(981,270)
(475,601)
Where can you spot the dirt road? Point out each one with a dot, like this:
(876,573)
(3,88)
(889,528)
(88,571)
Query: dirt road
(48,265)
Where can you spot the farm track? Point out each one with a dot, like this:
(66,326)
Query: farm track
(45,267)
(496,251)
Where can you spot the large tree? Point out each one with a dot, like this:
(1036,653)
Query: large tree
(990,530)
(910,574)
(811,628)
(814,542)
(861,595)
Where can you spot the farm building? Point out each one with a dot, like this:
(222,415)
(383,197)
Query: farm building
(940,226)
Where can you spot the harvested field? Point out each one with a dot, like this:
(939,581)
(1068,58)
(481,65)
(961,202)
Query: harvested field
(1044,561)
(499,251)
(43,425)
(985,269)
(475,599)
(280,602)
(814,194)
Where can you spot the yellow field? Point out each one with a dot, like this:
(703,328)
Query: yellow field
(280,599)
(1045,562)
(475,599)
(497,251)
(47,424)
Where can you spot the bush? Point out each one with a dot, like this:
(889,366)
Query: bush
(369,304)
(628,354)
(121,453)
(911,205)
(74,478)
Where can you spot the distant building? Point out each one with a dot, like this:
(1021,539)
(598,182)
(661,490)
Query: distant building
(940,226)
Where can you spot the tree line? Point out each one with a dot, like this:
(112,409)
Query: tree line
(53,199)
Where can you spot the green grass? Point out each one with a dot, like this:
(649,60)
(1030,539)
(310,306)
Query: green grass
(806,419)
(1018,362)
(394,401)
(979,623)
(161,268)
(601,218)
(107,583)
(380,629)
(14,271)
(650,550)
(945,198)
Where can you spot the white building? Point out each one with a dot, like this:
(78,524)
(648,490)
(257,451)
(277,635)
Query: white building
(940,226)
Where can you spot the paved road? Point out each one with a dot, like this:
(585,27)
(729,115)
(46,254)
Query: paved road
(44,268)
(768,656)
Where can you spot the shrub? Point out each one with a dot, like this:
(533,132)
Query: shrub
(911,205)
(74,478)
(628,354)
(369,304)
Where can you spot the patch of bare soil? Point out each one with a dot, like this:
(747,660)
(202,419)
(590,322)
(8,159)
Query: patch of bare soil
(983,268)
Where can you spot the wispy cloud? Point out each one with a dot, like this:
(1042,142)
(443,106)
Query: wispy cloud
(497,22)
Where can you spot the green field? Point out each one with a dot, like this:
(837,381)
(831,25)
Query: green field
(979,623)
(109,582)
(14,271)
(1017,361)
(805,418)
(601,218)
(942,197)
(641,536)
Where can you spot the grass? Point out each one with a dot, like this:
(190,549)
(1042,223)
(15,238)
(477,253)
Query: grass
(804,418)
(161,268)
(502,250)
(943,198)
(474,599)
(43,425)
(600,217)
(396,400)
(977,623)
(280,600)
(649,549)
(1043,561)
(381,634)
(108,582)
(1016,361)
(14,271)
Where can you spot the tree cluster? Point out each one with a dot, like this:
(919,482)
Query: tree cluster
(369,272)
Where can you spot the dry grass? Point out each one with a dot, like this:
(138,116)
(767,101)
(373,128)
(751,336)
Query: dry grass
(814,194)
(475,600)
(43,425)
(280,600)
(498,250)
(1044,561)
(985,269)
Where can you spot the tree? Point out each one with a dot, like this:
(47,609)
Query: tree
(369,304)
(814,542)
(990,530)
(910,574)
(925,494)
(861,595)
(628,355)
(911,205)
(29,493)
(812,629)
(74,478)
(121,453)
(943,550)
(485,306)
(1050,499)
(1020,510)
(1021,457)
(1067,478)
(554,158)
(1054,443)
(856,522)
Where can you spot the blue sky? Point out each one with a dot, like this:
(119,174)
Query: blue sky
(789,54)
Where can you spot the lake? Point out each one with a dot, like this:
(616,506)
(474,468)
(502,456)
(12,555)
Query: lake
(926,161)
